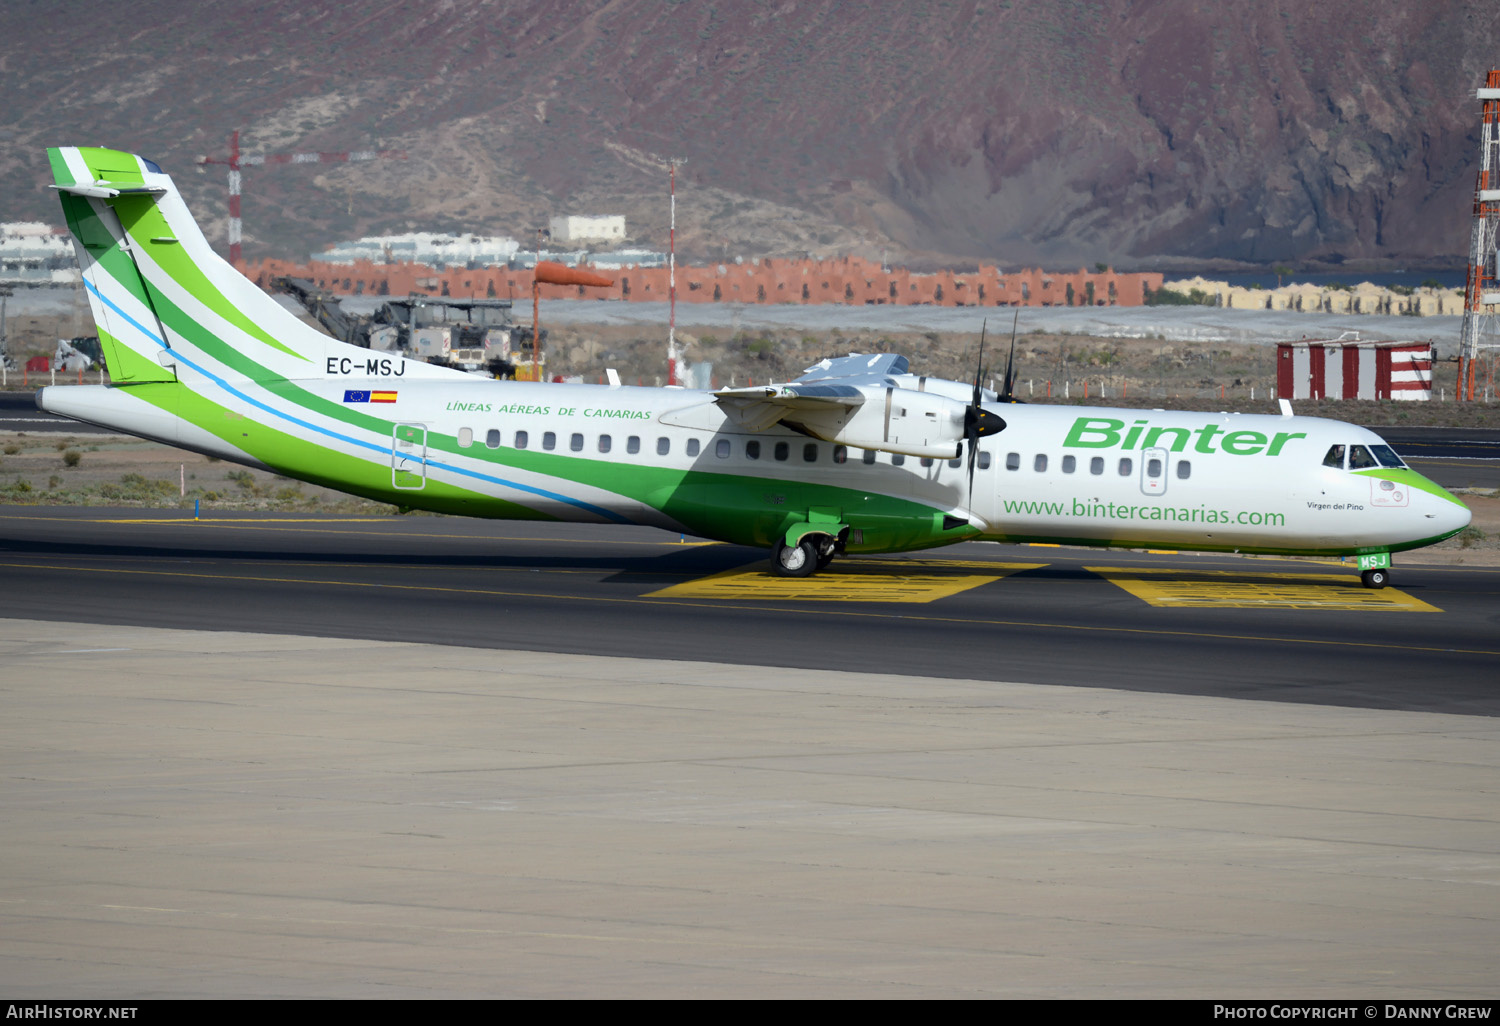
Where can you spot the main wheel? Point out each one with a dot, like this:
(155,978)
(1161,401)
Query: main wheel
(800,560)
(1375,578)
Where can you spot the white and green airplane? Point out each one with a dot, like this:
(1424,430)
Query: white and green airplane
(856,456)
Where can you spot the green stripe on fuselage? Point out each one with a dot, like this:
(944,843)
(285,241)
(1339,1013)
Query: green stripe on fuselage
(1412,479)
(309,461)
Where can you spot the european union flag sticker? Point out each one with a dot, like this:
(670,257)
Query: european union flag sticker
(354,395)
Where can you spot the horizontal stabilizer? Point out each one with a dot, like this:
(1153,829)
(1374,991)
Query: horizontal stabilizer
(102,189)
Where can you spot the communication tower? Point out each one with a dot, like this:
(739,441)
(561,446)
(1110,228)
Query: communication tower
(1482,292)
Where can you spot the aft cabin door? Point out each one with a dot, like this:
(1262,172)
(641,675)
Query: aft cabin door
(409,457)
(1154,471)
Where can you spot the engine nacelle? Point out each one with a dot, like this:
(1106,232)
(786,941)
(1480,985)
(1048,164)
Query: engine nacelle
(899,420)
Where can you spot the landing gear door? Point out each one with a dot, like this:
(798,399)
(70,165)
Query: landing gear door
(1154,471)
(409,456)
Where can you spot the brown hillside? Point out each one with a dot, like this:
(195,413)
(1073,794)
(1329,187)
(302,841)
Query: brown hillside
(1130,131)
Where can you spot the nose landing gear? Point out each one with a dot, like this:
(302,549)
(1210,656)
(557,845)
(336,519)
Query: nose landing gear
(1375,569)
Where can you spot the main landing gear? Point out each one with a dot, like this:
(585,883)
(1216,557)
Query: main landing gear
(811,554)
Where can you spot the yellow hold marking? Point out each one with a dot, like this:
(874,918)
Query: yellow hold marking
(847,580)
(1239,589)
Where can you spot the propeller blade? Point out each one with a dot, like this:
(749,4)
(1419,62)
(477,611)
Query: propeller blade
(973,414)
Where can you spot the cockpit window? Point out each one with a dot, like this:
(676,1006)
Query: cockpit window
(1335,457)
(1387,456)
(1360,458)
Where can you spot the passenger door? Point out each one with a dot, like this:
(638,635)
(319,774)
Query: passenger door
(1154,471)
(409,457)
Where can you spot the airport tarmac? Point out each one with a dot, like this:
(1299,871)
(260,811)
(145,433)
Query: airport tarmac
(1211,802)
(1191,623)
(221,814)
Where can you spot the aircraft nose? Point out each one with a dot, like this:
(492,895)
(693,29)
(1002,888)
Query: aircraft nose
(1448,514)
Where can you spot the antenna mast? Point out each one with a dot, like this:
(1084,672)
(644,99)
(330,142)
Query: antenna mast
(672,275)
(1482,291)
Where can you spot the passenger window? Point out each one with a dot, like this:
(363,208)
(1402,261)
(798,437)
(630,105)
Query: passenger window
(1387,456)
(1335,457)
(898,460)
(492,438)
(1153,468)
(926,461)
(549,440)
(841,454)
(869,457)
(576,442)
(465,437)
(520,440)
(957,461)
(1012,461)
(633,444)
(1126,466)
(605,442)
(782,451)
(663,446)
(1069,464)
(721,448)
(810,452)
(752,450)
(984,461)
(1039,464)
(1096,465)
(692,447)
(1360,458)
(1184,469)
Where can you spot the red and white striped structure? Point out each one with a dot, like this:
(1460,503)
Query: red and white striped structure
(238,160)
(1340,369)
(1483,289)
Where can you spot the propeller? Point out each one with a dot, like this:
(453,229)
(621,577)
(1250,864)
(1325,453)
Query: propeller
(978,421)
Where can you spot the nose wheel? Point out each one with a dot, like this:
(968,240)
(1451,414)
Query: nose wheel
(1375,578)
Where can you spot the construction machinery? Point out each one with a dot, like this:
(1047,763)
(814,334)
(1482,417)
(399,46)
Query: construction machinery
(474,335)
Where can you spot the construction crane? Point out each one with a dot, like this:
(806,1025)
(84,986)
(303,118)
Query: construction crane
(238,160)
(1482,291)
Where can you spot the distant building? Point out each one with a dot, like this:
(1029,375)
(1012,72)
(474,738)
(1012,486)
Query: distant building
(595,228)
(427,248)
(623,258)
(34,253)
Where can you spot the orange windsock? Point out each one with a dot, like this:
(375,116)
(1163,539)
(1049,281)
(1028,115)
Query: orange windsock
(549,273)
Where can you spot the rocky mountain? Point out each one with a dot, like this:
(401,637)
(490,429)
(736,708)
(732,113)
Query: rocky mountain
(1145,133)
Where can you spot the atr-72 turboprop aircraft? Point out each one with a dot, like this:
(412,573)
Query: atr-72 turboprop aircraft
(857,455)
